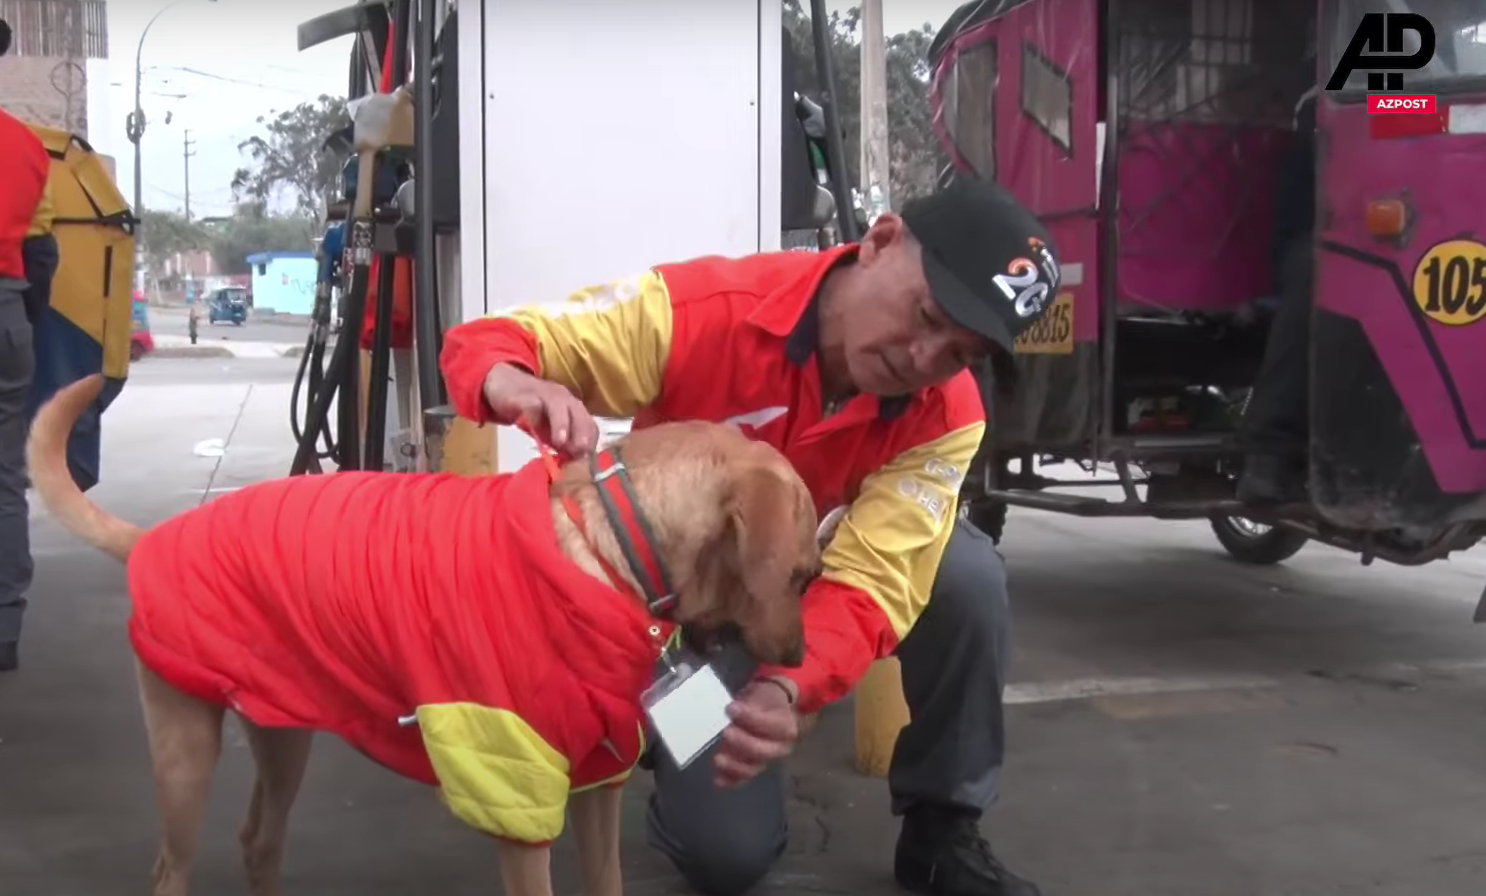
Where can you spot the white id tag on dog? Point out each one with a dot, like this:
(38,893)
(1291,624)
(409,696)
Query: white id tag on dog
(688,711)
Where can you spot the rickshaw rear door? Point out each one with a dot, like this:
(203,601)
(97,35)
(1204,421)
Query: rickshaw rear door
(1398,410)
(1050,145)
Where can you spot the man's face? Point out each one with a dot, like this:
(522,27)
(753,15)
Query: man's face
(897,339)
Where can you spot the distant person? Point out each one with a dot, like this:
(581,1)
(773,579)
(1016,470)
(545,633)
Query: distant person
(22,188)
(1276,428)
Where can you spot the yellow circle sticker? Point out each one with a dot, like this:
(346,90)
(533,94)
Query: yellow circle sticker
(1450,282)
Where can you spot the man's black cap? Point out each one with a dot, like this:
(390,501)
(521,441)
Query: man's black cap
(990,263)
(4,37)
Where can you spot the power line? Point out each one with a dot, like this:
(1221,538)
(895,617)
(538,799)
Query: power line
(259,85)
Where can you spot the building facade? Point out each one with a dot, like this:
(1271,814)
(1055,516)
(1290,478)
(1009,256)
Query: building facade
(44,77)
(284,282)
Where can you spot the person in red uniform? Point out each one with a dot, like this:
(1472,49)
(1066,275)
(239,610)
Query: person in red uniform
(853,362)
(26,166)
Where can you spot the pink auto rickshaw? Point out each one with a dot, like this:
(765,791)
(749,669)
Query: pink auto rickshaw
(1152,137)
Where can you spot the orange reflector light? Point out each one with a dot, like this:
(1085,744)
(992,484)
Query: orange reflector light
(1386,217)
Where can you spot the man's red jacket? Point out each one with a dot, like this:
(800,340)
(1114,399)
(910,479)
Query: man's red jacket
(25,166)
(733,340)
(428,619)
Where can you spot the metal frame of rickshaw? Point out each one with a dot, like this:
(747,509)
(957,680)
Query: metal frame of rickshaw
(991,488)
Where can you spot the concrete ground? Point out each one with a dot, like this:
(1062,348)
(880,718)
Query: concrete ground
(1180,725)
(171,320)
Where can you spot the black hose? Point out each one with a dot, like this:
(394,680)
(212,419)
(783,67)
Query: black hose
(381,358)
(825,73)
(311,367)
(343,373)
(401,16)
(428,331)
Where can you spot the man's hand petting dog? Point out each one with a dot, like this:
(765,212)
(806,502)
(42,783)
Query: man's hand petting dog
(553,413)
(764,730)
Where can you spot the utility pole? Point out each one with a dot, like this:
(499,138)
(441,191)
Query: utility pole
(187,154)
(874,137)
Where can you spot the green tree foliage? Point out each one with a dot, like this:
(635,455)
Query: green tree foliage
(230,240)
(251,230)
(914,155)
(287,156)
(165,234)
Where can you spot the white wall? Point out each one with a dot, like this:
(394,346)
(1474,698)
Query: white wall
(613,136)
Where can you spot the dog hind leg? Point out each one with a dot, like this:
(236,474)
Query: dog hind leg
(596,819)
(281,755)
(185,736)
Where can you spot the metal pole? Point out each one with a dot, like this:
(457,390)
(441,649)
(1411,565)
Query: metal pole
(186,155)
(874,137)
(825,73)
(135,134)
(427,329)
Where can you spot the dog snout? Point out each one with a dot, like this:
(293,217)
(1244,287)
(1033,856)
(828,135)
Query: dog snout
(783,645)
(793,656)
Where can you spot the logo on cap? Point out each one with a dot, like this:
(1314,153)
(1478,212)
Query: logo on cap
(1028,281)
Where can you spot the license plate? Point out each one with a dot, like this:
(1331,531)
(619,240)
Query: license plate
(1053,335)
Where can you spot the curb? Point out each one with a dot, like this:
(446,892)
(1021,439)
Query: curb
(191,351)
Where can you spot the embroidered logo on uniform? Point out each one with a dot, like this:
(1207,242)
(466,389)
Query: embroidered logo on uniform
(943,469)
(757,419)
(926,496)
(593,299)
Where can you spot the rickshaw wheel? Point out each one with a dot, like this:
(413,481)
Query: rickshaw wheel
(987,516)
(1255,543)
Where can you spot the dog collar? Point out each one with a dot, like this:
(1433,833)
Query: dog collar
(633,531)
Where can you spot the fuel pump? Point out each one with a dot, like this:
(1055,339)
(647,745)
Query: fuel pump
(381,215)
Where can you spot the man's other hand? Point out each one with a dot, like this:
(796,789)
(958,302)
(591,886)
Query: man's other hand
(554,414)
(765,728)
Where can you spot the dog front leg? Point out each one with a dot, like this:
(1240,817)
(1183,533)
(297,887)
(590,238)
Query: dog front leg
(596,828)
(525,870)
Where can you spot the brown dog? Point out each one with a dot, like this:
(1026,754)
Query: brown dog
(381,607)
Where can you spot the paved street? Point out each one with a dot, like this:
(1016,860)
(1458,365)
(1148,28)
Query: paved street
(1180,725)
(172,321)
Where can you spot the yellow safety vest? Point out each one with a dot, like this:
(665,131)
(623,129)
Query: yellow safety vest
(46,213)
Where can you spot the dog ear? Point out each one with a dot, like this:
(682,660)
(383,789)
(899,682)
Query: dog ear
(769,524)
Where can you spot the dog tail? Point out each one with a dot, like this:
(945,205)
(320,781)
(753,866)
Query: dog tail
(46,457)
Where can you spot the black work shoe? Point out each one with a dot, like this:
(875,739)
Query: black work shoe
(947,856)
(1271,479)
(10,657)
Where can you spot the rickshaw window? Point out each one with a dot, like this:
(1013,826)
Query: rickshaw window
(969,96)
(1460,39)
(1047,97)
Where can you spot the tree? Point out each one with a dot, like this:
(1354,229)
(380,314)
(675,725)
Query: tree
(164,234)
(288,156)
(914,155)
(251,230)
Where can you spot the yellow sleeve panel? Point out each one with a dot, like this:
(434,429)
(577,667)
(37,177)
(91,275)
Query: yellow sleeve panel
(46,213)
(495,772)
(607,343)
(893,536)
